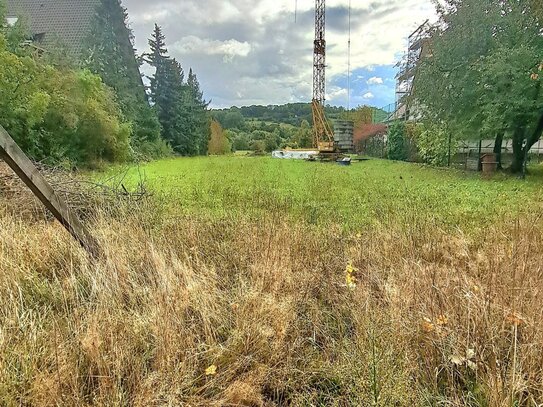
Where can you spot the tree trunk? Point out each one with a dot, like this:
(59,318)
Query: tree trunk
(536,135)
(518,151)
(498,149)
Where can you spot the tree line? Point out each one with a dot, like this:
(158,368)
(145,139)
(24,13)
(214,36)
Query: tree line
(290,113)
(267,128)
(93,106)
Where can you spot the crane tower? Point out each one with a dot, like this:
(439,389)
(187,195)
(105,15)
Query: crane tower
(319,54)
(323,136)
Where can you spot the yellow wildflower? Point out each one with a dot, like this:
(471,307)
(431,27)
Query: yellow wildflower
(442,320)
(211,370)
(350,279)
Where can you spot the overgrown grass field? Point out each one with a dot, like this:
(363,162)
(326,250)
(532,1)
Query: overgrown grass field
(256,282)
(353,197)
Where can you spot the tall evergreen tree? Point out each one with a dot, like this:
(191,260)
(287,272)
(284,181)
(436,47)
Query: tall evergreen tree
(158,58)
(179,105)
(165,86)
(173,113)
(110,54)
(199,125)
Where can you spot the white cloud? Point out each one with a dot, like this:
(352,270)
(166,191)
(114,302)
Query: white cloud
(336,94)
(195,45)
(255,45)
(368,95)
(375,81)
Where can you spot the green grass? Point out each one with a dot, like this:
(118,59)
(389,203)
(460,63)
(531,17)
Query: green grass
(364,194)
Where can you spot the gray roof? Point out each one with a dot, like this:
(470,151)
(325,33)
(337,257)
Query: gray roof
(66,20)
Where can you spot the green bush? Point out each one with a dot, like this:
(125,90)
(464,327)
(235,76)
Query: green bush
(397,146)
(59,115)
(433,144)
(151,150)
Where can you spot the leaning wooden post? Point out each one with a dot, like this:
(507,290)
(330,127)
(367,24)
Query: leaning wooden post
(29,174)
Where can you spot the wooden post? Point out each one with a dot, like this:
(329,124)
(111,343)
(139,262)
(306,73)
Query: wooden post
(449,155)
(29,174)
(479,152)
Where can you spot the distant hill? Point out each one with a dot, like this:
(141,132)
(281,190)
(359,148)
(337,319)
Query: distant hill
(266,128)
(290,113)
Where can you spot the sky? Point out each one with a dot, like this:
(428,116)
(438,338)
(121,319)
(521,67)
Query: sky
(247,52)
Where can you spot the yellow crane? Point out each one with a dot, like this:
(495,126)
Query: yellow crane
(323,135)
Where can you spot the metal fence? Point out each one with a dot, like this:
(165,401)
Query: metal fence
(466,155)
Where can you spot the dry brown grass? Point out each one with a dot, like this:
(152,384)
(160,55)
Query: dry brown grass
(435,319)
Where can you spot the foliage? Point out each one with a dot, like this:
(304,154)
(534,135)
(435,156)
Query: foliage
(360,116)
(292,114)
(14,35)
(146,151)
(397,145)
(432,143)
(303,137)
(287,126)
(109,53)
(258,146)
(198,121)
(375,147)
(56,115)
(218,143)
(233,120)
(477,74)
(240,141)
(179,105)
(261,137)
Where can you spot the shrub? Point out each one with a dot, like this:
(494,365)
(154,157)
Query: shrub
(59,115)
(433,144)
(397,148)
(151,150)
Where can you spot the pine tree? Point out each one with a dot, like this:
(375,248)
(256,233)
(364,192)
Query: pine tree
(158,58)
(199,125)
(157,44)
(174,114)
(179,105)
(166,87)
(167,92)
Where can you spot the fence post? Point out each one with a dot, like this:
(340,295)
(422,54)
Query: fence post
(479,162)
(449,158)
(29,174)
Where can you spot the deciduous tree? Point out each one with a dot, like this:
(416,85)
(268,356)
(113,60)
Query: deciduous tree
(218,143)
(477,72)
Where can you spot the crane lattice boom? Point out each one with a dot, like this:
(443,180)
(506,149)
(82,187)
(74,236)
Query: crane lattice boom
(322,133)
